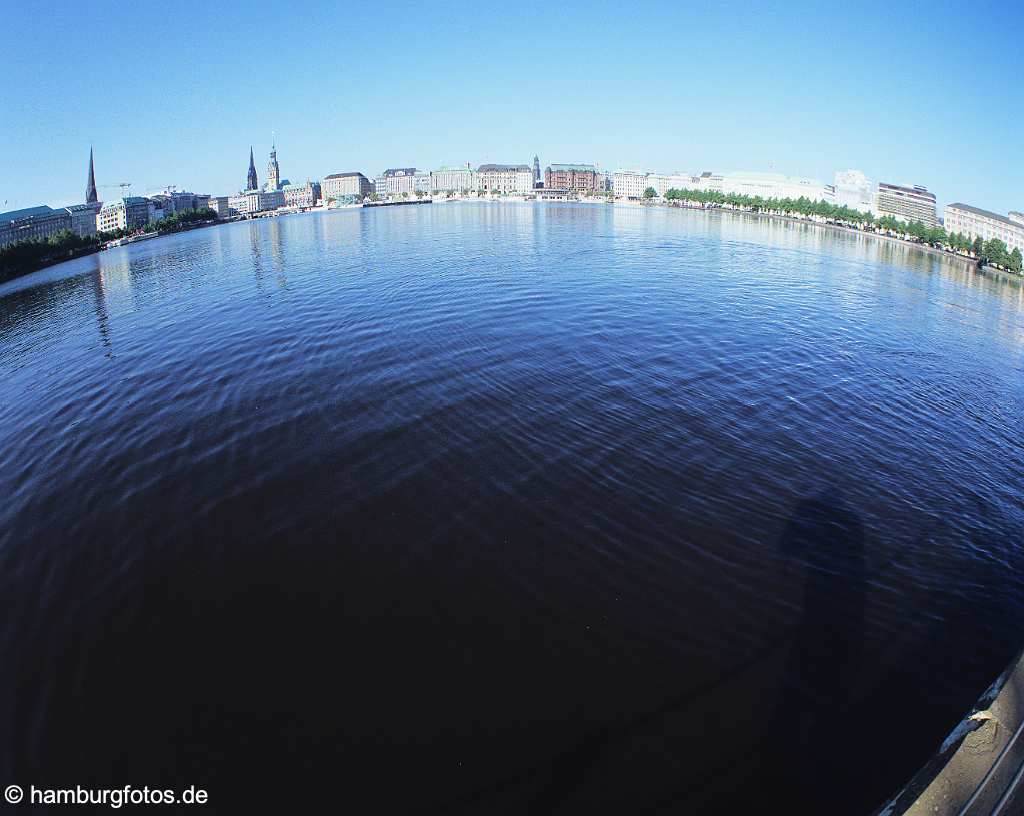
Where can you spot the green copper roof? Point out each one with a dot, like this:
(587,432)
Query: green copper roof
(579,168)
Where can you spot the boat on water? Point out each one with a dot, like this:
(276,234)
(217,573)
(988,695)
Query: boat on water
(132,239)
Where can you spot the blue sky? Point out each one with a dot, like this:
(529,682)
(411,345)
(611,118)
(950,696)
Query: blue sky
(175,93)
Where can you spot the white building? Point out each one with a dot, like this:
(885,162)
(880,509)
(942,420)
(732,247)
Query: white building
(663,182)
(853,190)
(629,184)
(396,181)
(974,223)
(906,203)
(130,212)
(776,185)
(505,178)
(454,179)
(338,185)
(253,201)
(707,181)
(421,183)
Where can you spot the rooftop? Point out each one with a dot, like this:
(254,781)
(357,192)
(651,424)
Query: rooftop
(917,189)
(752,175)
(578,168)
(986,214)
(342,175)
(400,171)
(28,212)
(491,168)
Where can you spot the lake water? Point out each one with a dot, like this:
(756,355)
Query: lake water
(506,508)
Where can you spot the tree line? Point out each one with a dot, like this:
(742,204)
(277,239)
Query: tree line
(182,220)
(993,251)
(22,257)
(30,254)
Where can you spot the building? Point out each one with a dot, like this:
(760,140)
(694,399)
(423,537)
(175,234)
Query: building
(421,183)
(906,203)
(505,178)
(629,185)
(301,195)
(273,171)
(853,190)
(776,185)
(396,181)
(707,182)
(90,185)
(254,201)
(537,182)
(453,180)
(337,185)
(252,182)
(663,182)
(128,213)
(632,184)
(176,201)
(83,218)
(977,223)
(32,222)
(219,204)
(581,178)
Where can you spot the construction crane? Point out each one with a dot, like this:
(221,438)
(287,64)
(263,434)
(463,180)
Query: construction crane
(124,185)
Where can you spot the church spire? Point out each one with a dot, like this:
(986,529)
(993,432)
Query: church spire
(252,183)
(90,186)
(273,169)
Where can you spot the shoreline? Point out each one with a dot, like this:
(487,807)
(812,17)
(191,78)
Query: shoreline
(74,256)
(971,263)
(928,248)
(93,250)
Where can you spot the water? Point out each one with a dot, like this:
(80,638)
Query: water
(475,508)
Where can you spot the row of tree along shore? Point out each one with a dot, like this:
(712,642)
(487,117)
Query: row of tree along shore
(23,257)
(992,252)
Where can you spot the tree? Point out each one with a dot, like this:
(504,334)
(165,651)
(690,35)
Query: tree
(978,247)
(25,256)
(994,252)
(650,193)
(1015,260)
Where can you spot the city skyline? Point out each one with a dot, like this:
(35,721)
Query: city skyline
(252,179)
(721,90)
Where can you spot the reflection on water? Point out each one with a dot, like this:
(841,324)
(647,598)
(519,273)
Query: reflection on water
(537,508)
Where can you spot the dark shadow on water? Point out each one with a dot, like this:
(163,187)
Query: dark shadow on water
(790,765)
(826,539)
(219,665)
